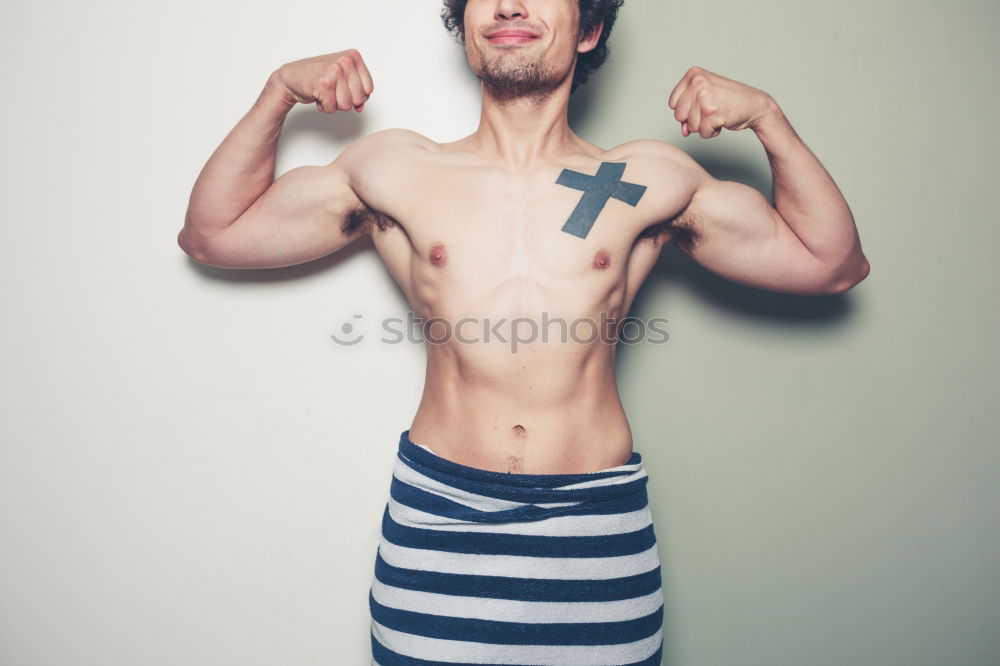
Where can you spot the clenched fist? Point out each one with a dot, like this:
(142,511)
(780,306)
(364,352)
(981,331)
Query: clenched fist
(706,102)
(336,81)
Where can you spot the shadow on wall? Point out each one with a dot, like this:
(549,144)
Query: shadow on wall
(581,102)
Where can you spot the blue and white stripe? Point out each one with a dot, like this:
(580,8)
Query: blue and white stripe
(483,567)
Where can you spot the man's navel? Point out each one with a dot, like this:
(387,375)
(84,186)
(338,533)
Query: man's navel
(438,256)
(515,463)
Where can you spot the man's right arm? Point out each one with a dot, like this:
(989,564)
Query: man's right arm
(239,217)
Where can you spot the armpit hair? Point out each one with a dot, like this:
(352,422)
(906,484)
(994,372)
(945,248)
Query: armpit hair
(366,219)
(680,232)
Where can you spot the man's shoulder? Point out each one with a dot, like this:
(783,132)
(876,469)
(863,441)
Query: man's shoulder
(648,150)
(388,142)
(378,152)
(658,159)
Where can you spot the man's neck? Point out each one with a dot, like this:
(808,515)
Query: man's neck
(525,132)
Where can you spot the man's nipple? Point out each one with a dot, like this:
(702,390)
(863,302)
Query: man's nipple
(602,260)
(438,255)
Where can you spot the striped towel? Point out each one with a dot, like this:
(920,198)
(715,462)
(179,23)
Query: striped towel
(482,567)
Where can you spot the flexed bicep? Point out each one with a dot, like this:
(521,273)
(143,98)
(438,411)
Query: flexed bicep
(743,238)
(307,213)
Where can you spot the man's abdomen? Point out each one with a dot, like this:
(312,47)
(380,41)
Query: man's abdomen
(534,413)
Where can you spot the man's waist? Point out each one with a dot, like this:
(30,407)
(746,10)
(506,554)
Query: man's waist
(523,438)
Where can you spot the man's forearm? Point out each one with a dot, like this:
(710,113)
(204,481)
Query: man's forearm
(809,200)
(240,169)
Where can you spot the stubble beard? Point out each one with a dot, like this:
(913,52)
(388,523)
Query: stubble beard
(509,77)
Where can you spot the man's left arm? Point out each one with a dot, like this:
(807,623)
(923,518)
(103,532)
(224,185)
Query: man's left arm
(808,241)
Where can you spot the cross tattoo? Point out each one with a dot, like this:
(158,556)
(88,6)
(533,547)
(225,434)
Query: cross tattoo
(607,184)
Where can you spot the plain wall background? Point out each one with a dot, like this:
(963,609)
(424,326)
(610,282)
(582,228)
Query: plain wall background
(192,472)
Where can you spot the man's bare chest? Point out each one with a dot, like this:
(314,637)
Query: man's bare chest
(562,224)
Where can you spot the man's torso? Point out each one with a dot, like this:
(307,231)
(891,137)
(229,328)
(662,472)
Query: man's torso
(477,245)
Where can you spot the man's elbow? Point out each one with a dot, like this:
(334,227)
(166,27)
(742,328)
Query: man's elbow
(191,249)
(846,280)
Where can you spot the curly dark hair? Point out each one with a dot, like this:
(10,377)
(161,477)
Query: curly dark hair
(592,12)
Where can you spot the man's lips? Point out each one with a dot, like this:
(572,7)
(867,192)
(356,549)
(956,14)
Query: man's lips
(511,36)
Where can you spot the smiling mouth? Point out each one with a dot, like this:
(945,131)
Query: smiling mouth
(510,39)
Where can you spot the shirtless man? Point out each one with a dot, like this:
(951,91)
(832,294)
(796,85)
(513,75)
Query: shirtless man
(522,217)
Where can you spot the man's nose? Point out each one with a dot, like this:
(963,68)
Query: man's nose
(508,9)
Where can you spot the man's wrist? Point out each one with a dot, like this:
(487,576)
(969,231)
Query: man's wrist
(770,119)
(275,95)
